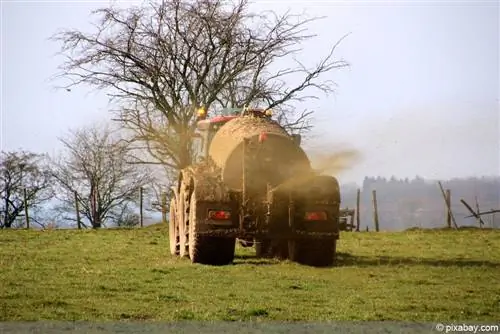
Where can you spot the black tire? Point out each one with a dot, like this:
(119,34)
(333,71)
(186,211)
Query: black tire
(316,253)
(215,251)
(208,250)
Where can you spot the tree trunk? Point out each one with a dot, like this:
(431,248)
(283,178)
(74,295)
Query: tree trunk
(96,223)
(7,223)
(185,151)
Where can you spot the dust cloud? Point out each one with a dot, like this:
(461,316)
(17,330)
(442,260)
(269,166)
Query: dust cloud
(335,162)
(325,163)
(434,142)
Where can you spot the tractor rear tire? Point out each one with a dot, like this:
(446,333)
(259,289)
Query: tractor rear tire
(316,253)
(205,249)
(173,229)
(215,251)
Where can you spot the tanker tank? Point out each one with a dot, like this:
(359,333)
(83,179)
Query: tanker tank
(278,156)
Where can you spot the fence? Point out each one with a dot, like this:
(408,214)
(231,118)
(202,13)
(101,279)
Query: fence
(373,214)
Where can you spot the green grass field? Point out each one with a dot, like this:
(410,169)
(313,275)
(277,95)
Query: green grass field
(129,275)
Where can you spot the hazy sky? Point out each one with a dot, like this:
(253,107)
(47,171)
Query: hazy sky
(421,95)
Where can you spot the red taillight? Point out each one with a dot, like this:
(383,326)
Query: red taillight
(315,215)
(219,215)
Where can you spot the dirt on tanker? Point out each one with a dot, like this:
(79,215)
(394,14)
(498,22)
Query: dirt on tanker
(240,127)
(233,133)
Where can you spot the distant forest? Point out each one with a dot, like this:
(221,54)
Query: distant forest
(405,203)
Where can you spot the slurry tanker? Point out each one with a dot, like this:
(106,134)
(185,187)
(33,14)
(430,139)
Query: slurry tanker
(252,181)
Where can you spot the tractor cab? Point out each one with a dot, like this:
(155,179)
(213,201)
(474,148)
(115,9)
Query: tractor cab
(206,128)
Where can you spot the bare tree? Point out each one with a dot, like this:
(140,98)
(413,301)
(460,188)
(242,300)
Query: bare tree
(95,167)
(22,172)
(128,219)
(161,61)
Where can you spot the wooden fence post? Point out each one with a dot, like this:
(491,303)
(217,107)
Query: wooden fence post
(448,205)
(77,208)
(375,210)
(141,207)
(164,207)
(447,200)
(26,213)
(358,200)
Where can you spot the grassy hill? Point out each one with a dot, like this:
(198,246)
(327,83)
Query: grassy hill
(118,274)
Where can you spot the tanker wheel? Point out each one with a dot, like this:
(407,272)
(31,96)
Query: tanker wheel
(314,252)
(173,229)
(182,222)
(205,249)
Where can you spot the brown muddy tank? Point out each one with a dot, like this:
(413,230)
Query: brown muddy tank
(278,156)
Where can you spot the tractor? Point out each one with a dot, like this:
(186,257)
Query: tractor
(251,181)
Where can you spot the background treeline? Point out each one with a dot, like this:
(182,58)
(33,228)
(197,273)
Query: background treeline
(92,182)
(417,202)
